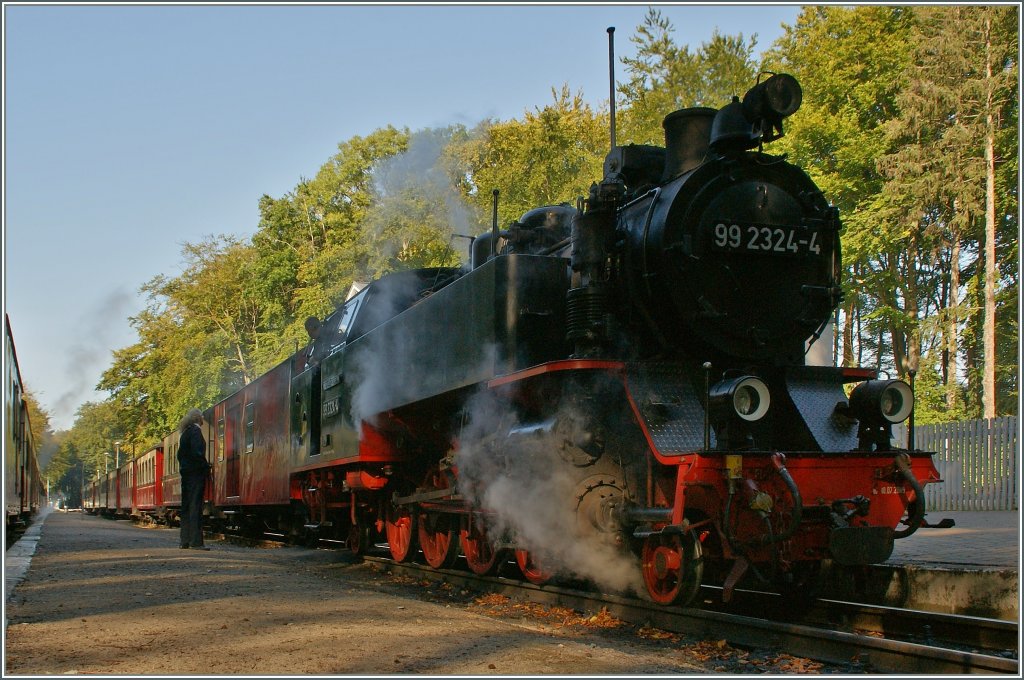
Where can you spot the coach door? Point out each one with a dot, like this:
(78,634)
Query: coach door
(232,462)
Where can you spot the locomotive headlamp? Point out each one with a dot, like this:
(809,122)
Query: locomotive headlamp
(745,397)
(736,409)
(768,102)
(878,405)
(777,97)
(882,401)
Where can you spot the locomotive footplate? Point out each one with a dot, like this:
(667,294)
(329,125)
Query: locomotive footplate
(671,409)
(860,545)
(431,495)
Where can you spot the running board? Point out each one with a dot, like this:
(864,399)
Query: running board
(425,496)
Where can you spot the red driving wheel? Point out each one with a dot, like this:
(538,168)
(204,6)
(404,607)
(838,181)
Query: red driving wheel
(438,531)
(481,556)
(531,568)
(672,567)
(400,528)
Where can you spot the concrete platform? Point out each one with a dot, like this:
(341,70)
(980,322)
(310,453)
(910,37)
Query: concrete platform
(18,558)
(971,568)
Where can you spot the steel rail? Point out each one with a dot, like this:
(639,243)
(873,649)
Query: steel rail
(955,631)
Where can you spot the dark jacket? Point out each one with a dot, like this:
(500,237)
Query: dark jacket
(192,451)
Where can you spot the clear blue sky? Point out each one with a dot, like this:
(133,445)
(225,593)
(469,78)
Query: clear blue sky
(130,130)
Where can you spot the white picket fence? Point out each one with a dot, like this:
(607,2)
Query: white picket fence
(979,461)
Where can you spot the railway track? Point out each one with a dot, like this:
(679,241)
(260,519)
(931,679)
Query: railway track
(884,639)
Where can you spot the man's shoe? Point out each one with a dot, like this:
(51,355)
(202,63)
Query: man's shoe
(183,547)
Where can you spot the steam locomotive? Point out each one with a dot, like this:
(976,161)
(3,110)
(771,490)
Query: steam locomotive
(614,391)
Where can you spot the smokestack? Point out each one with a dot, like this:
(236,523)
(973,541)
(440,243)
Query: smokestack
(687,136)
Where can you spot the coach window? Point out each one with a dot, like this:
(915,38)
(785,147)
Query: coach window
(250,416)
(220,439)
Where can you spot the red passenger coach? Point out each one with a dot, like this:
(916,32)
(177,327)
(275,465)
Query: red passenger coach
(148,483)
(251,445)
(101,493)
(170,478)
(126,489)
(111,501)
(208,436)
(90,496)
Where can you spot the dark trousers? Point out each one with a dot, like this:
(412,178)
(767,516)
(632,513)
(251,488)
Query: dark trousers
(192,486)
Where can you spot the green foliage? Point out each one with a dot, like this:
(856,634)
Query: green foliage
(930,396)
(665,77)
(91,440)
(66,470)
(891,129)
(551,156)
(311,240)
(39,420)
(418,208)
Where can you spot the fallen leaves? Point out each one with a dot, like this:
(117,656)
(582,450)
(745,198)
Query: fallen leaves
(746,662)
(559,617)
(792,664)
(657,634)
(706,650)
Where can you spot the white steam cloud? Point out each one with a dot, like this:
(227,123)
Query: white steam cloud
(530,493)
(379,375)
(415,188)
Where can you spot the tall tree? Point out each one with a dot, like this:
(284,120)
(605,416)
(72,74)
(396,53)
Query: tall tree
(39,420)
(219,299)
(665,77)
(948,143)
(850,62)
(551,156)
(312,237)
(96,429)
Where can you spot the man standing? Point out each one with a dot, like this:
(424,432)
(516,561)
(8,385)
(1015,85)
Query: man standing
(194,469)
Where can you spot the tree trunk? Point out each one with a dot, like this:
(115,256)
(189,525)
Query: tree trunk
(991,266)
(952,323)
(848,321)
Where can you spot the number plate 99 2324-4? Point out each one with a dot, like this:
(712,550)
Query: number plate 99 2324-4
(764,239)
